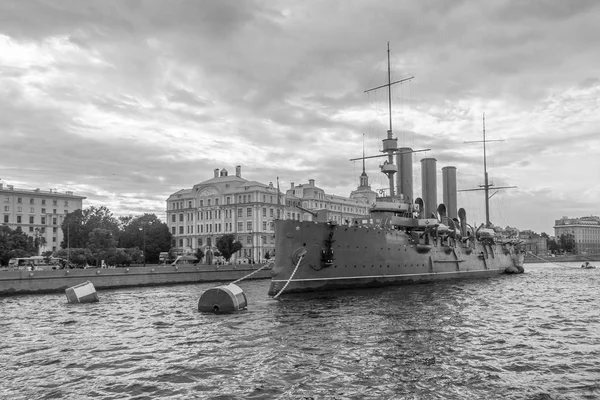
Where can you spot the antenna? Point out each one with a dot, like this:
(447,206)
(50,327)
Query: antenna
(390,144)
(486,185)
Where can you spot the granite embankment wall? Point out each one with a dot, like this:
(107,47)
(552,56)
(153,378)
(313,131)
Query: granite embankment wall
(22,282)
(561,259)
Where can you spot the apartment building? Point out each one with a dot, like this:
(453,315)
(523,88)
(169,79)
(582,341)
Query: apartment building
(39,213)
(585,232)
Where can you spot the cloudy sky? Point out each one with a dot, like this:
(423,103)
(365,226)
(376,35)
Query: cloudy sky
(126,102)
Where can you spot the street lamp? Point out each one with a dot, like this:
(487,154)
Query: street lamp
(144,243)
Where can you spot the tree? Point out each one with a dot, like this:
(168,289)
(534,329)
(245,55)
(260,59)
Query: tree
(77,256)
(14,244)
(146,232)
(199,254)
(78,225)
(102,244)
(567,243)
(267,255)
(228,245)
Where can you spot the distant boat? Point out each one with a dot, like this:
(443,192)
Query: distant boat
(401,241)
(587,265)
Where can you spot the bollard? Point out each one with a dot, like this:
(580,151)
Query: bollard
(223,299)
(82,293)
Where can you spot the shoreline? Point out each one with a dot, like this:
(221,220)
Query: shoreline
(570,258)
(32,282)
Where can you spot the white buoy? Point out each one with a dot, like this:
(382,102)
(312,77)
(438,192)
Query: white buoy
(223,299)
(82,293)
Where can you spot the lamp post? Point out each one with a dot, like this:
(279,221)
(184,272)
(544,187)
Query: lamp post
(68,244)
(144,243)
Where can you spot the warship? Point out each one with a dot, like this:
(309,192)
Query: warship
(401,240)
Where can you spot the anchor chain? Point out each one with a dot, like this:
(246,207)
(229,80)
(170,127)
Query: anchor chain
(253,272)
(291,276)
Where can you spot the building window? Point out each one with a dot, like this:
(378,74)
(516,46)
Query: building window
(249,240)
(264,212)
(6,218)
(54,211)
(248,212)
(53,221)
(43,211)
(240,212)
(19,200)
(181,230)
(43,202)
(249,225)
(66,203)
(180,242)
(32,210)
(54,230)
(216,202)
(31,229)
(6,208)
(263,239)
(19,209)
(18,219)
(199,241)
(209,242)
(228,199)
(240,226)
(173,230)
(264,225)
(189,204)
(201,203)
(181,217)
(173,217)
(208,202)
(31,201)
(271,212)
(54,238)
(31,219)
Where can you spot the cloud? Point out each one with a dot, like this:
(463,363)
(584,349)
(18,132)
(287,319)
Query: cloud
(127,102)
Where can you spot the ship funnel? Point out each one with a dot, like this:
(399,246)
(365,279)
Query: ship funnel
(429,186)
(404,180)
(449,193)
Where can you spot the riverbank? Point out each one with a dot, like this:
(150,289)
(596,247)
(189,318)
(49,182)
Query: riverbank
(24,282)
(530,259)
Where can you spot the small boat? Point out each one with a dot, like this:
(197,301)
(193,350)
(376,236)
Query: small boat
(402,240)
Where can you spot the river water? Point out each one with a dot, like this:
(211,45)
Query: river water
(531,336)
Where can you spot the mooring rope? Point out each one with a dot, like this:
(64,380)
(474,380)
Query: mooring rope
(291,276)
(254,272)
(550,262)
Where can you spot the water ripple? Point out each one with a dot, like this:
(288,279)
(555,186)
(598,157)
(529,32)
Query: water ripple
(533,336)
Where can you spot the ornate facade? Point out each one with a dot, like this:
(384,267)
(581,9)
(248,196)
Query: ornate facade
(230,204)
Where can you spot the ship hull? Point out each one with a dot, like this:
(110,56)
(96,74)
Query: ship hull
(313,256)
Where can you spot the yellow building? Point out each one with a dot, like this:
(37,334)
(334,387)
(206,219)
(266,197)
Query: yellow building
(38,213)
(585,232)
(228,204)
(222,205)
(306,201)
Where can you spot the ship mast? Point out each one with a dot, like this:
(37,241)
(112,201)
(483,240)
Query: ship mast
(390,144)
(486,184)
